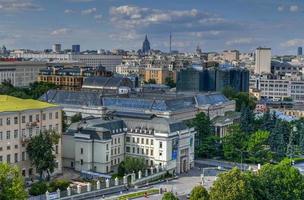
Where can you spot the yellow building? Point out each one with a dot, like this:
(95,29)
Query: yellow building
(21,119)
(158,74)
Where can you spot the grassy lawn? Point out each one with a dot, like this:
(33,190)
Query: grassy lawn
(138,194)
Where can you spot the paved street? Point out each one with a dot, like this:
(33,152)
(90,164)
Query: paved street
(182,186)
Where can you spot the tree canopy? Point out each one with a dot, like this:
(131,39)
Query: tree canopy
(34,91)
(40,150)
(169,196)
(232,185)
(11,183)
(271,182)
(199,193)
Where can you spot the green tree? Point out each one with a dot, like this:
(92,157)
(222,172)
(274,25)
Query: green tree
(60,184)
(133,164)
(232,185)
(76,118)
(268,121)
(121,170)
(280,181)
(40,150)
(279,138)
(38,188)
(169,196)
(170,82)
(151,81)
(199,193)
(247,120)
(203,126)
(234,143)
(241,98)
(258,148)
(209,148)
(11,183)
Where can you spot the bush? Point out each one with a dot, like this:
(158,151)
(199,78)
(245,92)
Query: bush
(169,196)
(59,183)
(38,188)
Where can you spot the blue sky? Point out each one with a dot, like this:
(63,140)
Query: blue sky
(215,25)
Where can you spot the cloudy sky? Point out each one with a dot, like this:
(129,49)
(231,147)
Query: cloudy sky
(213,24)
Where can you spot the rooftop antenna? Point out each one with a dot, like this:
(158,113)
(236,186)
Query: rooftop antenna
(170,43)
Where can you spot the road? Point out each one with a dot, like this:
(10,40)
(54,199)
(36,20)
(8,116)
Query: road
(182,186)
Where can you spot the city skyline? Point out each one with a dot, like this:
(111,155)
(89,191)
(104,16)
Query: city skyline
(107,24)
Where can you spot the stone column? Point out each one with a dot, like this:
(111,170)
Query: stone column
(107,183)
(58,193)
(89,187)
(125,180)
(139,174)
(133,177)
(78,189)
(98,185)
(69,191)
(152,170)
(157,168)
(47,195)
(116,181)
(146,173)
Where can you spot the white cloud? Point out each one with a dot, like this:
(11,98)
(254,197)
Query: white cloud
(19,5)
(98,17)
(89,11)
(280,8)
(239,41)
(80,1)
(61,31)
(294,8)
(293,43)
(69,11)
(179,20)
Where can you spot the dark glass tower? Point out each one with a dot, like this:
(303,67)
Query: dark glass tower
(146,46)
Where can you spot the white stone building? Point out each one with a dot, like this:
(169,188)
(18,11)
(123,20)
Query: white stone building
(100,145)
(19,121)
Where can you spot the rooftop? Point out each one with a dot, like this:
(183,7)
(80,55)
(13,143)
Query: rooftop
(13,104)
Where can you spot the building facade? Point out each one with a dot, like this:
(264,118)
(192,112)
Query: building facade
(100,145)
(212,79)
(20,73)
(19,121)
(278,89)
(70,78)
(262,60)
(93,60)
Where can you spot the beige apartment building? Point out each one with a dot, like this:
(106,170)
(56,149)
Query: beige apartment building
(21,119)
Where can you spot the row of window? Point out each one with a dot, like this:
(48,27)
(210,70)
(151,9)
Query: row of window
(116,141)
(30,118)
(115,162)
(23,132)
(140,151)
(115,151)
(140,140)
(16,158)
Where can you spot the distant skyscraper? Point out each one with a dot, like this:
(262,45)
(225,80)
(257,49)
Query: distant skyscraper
(56,48)
(262,60)
(76,48)
(146,46)
(300,51)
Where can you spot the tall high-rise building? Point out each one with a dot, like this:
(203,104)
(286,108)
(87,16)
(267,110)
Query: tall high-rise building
(262,60)
(212,79)
(56,48)
(76,48)
(300,51)
(146,46)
